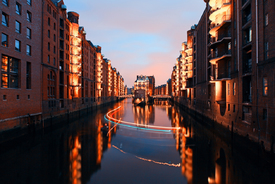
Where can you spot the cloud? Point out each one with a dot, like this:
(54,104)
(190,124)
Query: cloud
(139,36)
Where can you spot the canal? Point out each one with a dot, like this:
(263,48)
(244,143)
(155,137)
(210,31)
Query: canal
(153,144)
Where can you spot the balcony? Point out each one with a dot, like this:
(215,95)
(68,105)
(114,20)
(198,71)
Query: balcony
(217,56)
(219,3)
(218,23)
(247,66)
(221,38)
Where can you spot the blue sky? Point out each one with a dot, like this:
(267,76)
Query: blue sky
(140,37)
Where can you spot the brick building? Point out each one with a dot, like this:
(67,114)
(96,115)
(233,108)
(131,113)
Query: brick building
(48,67)
(20,51)
(233,68)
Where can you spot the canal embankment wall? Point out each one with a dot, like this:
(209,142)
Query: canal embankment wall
(30,124)
(235,139)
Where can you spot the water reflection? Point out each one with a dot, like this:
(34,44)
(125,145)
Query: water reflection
(78,152)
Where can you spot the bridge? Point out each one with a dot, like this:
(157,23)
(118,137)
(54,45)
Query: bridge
(161,96)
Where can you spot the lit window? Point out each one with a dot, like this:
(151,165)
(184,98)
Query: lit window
(265,86)
(266,19)
(18,45)
(28,50)
(29,33)
(18,8)
(9,74)
(17,27)
(5,19)
(234,88)
(4,40)
(29,16)
(29,2)
(5,2)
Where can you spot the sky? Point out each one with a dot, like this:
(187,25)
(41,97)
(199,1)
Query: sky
(140,37)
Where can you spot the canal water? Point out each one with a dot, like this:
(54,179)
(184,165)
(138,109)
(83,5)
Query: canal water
(153,144)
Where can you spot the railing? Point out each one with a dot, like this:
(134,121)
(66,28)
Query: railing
(247,18)
(220,54)
(247,66)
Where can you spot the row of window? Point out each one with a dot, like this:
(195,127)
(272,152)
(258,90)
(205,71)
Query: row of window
(10,69)
(6,2)
(5,18)
(5,43)
(17,97)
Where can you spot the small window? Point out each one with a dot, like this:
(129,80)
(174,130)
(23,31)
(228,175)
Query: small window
(5,2)
(49,21)
(49,46)
(54,37)
(28,50)
(29,97)
(5,19)
(53,61)
(18,45)
(228,107)
(264,114)
(29,16)
(4,97)
(266,50)
(54,49)
(48,58)
(266,19)
(17,27)
(265,86)
(4,40)
(234,108)
(17,97)
(49,34)
(28,77)
(54,26)
(29,2)
(29,33)
(18,8)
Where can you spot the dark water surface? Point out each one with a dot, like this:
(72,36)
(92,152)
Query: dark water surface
(80,152)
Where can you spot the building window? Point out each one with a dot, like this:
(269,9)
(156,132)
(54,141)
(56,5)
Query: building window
(53,61)
(17,97)
(266,50)
(4,40)
(234,108)
(234,88)
(17,27)
(18,8)
(54,49)
(51,85)
(54,37)
(5,2)
(5,19)
(54,14)
(29,33)
(18,45)
(49,34)
(9,72)
(49,46)
(228,107)
(28,76)
(5,97)
(29,2)
(48,58)
(28,50)
(29,97)
(264,114)
(265,86)
(266,19)
(49,21)
(29,16)
(54,26)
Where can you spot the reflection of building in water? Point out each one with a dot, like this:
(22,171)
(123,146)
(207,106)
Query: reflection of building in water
(75,160)
(144,115)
